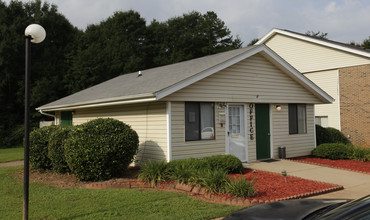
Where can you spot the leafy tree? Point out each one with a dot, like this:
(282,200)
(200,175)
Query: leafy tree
(255,40)
(108,49)
(365,44)
(49,63)
(189,36)
(317,34)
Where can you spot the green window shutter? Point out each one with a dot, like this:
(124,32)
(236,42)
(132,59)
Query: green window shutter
(66,118)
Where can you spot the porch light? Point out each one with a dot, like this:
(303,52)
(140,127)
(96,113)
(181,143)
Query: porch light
(278,107)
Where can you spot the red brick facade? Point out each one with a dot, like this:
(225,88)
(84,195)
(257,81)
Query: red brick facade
(354,86)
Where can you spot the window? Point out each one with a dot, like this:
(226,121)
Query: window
(322,121)
(297,119)
(199,121)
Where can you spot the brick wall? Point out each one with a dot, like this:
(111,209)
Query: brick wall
(354,84)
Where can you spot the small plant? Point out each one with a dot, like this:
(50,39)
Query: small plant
(361,154)
(154,172)
(183,173)
(241,187)
(215,181)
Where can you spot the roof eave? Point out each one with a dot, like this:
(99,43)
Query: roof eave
(101,103)
(310,39)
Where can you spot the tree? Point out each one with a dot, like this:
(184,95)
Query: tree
(317,34)
(253,42)
(48,63)
(108,49)
(365,44)
(190,36)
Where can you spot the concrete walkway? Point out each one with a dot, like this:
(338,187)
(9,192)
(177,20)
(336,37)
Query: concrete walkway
(355,184)
(11,164)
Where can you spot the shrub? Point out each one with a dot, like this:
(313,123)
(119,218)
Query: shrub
(241,187)
(337,136)
(229,163)
(56,149)
(182,173)
(361,154)
(153,172)
(100,149)
(333,151)
(322,135)
(39,140)
(214,180)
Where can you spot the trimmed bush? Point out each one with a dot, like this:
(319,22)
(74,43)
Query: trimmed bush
(100,149)
(333,151)
(229,163)
(39,140)
(56,149)
(322,135)
(337,136)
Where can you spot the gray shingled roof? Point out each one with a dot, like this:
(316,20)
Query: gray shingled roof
(152,81)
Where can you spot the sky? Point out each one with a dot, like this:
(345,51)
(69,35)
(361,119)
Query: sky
(343,20)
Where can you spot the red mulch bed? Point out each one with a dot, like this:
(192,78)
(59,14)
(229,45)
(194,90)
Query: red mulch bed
(352,165)
(272,186)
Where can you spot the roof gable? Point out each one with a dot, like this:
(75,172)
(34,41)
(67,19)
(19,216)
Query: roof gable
(324,42)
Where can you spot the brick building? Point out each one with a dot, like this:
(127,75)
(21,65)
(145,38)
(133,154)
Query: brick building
(342,70)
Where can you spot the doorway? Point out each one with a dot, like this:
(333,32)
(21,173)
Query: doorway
(263,131)
(236,131)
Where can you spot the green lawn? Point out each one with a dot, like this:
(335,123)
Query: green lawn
(48,202)
(11,154)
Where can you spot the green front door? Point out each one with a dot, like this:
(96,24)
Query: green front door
(66,118)
(263,131)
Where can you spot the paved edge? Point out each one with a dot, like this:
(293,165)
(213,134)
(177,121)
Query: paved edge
(12,163)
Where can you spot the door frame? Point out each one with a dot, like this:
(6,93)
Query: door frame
(227,138)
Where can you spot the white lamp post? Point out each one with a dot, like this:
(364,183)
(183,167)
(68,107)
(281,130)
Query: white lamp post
(36,34)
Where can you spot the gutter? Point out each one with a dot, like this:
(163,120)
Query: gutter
(97,104)
(50,115)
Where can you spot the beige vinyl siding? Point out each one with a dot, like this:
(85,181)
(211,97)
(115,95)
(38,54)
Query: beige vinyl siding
(310,57)
(328,81)
(296,144)
(148,120)
(253,80)
(185,149)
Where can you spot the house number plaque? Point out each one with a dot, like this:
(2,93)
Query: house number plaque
(251,128)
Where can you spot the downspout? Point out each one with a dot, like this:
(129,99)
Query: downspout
(51,115)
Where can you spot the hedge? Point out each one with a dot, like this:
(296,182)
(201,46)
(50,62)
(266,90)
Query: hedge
(56,148)
(100,149)
(39,140)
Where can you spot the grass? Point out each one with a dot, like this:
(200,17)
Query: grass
(48,202)
(11,154)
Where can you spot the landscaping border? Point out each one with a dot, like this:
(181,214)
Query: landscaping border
(326,165)
(201,192)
